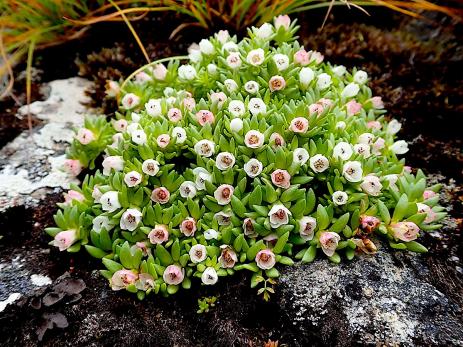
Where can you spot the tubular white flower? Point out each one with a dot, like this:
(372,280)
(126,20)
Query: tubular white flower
(392,179)
(236,108)
(132,178)
(186,72)
(187,189)
(342,150)
(139,137)
(351,90)
(340,198)
(352,171)
(236,124)
(204,148)
(231,85)
(212,69)
(281,61)
(265,259)
(222,36)
(198,253)
(252,87)
(323,81)
(257,106)
(206,47)
(209,276)
(319,163)
(300,156)
(366,138)
(174,114)
(399,147)
(224,160)
(230,47)
(130,101)
(306,75)
(114,162)
(279,215)
(393,127)
(223,194)
(371,185)
(102,222)
(254,139)
(341,125)
(211,234)
(339,70)
(360,77)
(329,242)
(234,60)
(264,31)
(362,149)
(223,218)
(201,176)
(253,167)
(130,219)
(179,134)
(153,107)
(307,226)
(256,57)
(150,167)
(299,125)
(110,201)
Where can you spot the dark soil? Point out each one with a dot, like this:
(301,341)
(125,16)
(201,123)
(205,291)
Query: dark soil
(415,66)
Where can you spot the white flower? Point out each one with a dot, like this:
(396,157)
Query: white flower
(230,47)
(130,100)
(212,69)
(223,218)
(194,54)
(234,60)
(179,134)
(371,185)
(198,253)
(135,117)
(224,160)
(132,127)
(362,149)
(253,167)
(339,70)
(132,178)
(323,81)
(319,163)
(206,47)
(307,226)
(257,106)
(281,61)
(351,90)
(139,137)
(114,162)
(254,139)
(209,276)
(393,127)
(279,215)
(102,222)
(399,147)
(231,85)
(236,108)
(252,87)
(342,150)
(366,138)
(306,75)
(236,124)
(341,125)
(150,167)
(120,125)
(256,57)
(187,189)
(153,107)
(163,140)
(300,156)
(201,176)
(186,72)
(130,219)
(204,148)
(110,201)
(265,31)
(211,234)
(360,77)
(352,171)
(339,198)
(223,194)
(222,36)
(96,194)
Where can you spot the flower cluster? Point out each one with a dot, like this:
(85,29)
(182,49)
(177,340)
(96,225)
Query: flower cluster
(253,153)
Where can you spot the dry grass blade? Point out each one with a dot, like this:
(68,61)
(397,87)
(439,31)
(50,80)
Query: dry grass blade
(30,54)
(6,62)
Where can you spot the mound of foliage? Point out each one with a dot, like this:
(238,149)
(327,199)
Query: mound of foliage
(253,153)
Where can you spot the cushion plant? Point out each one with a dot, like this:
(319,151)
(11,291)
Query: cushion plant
(255,152)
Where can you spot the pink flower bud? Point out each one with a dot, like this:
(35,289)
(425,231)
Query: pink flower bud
(120,125)
(174,115)
(159,234)
(282,21)
(160,195)
(377,102)
(302,57)
(85,136)
(173,274)
(428,194)
(265,259)
(189,103)
(369,223)
(281,178)
(353,107)
(72,166)
(204,116)
(316,108)
(65,239)
(160,72)
(122,279)
(405,231)
(72,195)
(374,124)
